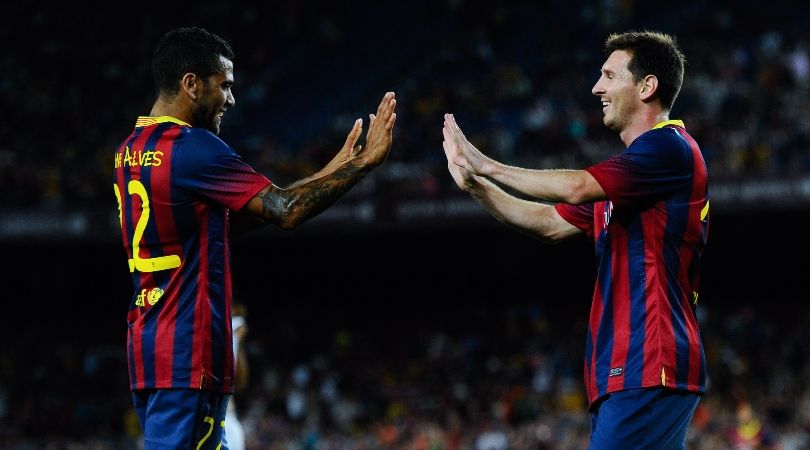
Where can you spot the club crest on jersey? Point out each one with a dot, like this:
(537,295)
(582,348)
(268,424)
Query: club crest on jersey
(606,214)
(151,296)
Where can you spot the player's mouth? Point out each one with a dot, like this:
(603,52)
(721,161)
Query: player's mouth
(605,105)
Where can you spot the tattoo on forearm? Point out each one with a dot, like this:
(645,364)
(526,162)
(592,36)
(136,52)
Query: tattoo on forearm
(311,198)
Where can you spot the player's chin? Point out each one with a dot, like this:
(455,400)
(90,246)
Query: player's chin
(215,124)
(610,123)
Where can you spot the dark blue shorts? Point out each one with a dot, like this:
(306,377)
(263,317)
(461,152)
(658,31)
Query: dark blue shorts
(654,418)
(181,419)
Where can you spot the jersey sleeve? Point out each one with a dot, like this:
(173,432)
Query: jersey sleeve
(209,167)
(655,165)
(580,216)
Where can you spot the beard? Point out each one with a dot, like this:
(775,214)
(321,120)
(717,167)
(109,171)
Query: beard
(618,120)
(206,116)
(612,123)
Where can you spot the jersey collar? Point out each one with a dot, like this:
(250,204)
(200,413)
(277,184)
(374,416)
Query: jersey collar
(677,123)
(145,121)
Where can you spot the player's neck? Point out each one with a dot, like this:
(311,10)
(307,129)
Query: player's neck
(644,121)
(170,107)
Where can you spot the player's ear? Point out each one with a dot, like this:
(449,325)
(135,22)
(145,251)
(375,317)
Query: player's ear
(649,86)
(188,84)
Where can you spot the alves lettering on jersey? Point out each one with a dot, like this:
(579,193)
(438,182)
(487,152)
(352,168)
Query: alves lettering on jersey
(137,157)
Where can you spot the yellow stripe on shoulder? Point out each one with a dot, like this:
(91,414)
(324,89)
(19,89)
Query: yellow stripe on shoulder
(677,123)
(147,121)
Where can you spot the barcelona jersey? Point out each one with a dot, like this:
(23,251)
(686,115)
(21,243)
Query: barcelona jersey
(649,236)
(175,186)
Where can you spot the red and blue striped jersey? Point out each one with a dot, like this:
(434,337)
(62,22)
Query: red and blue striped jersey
(649,236)
(175,185)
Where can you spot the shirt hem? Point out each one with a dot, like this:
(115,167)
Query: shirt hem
(697,389)
(219,388)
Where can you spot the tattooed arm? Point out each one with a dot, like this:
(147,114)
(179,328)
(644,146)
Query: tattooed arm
(307,198)
(288,208)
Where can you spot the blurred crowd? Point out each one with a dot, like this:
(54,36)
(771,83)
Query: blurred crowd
(512,384)
(518,77)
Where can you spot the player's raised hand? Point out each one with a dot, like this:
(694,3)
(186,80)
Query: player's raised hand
(471,158)
(380,131)
(349,148)
(456,162)
(451,145)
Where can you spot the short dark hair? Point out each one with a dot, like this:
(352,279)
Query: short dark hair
(652,53)
(187,50)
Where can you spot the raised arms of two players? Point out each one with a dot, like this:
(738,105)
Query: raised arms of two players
(574,187)
(306,198)
(471,169)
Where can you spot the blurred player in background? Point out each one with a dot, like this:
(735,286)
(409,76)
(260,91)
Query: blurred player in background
(177,184)
(647,211)
(234,432)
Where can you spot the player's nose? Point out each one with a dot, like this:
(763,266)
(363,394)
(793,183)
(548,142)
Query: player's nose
(597,88)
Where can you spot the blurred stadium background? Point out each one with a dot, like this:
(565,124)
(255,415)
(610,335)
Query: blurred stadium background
(404,317)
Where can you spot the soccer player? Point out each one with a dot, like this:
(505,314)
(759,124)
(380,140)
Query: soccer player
(176,184)
(647,210)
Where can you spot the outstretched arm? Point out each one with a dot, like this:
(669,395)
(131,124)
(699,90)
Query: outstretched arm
(309,197)
(558,186)
(535,219)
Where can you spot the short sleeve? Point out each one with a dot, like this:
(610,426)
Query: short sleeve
(205,165)
(656,165)
(580,216)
